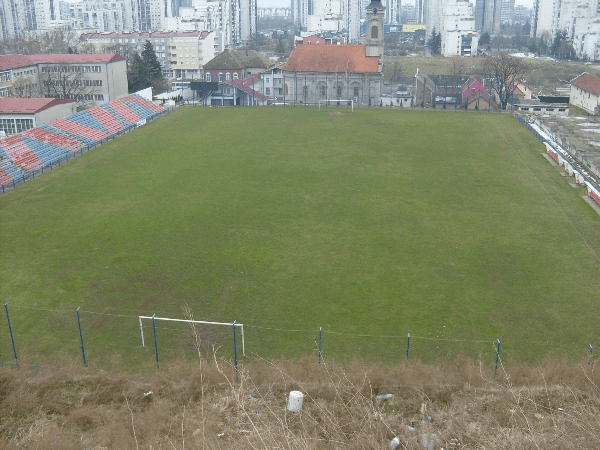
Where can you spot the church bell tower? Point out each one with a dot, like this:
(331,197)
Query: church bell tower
(374,38)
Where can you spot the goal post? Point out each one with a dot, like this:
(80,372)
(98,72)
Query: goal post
(199,322)
(338,102)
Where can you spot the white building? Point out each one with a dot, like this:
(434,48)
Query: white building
(101,77)
(21,15)
(551,16)
(319,16)
(585,93)
(586,38)
(21,114)
(459,37)
(180,53)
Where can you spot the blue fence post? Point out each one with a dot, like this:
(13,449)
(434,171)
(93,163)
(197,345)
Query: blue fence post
(320,344)
(591,354)
(497,358)
(408,347)
(235,358)
(155,342)
(81,339)
(12,339)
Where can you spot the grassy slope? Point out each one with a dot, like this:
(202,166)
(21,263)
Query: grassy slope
(377,222)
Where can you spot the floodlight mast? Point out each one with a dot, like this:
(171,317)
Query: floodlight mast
(202,322)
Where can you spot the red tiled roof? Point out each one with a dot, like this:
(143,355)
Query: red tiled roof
(147,34)
(588,83)
(14,105)
(15,61)
(77,58)
(246,84)
(331,58)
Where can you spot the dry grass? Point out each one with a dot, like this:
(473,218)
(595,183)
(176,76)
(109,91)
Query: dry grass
(553,406)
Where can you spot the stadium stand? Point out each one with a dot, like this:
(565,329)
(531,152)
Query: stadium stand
(22,155)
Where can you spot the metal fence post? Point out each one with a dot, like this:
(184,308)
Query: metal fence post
(81,339)
(320,344)
(235,359)
(12,339)
(497,358)
(155,342)
(408,347)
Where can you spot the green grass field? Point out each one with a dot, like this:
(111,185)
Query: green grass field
(378,223)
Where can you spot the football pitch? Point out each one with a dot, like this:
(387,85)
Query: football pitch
(372,225)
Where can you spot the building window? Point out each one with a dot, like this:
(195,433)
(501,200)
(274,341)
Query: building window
(235,75)
(268,91)
(356,91)
(339,91)
(220,77)
(322,88)
(374,32)
(227,76)
(5,76)
(208,77)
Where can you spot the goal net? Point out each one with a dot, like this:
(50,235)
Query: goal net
(219,333)
(337,103)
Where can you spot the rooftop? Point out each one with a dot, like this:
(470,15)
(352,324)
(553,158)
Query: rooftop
(14,105)
(331,58)
(588,83)
(147,34)
(8,62)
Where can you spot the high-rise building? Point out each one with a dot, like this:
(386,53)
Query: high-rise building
(550,16)
(488,16)
(459,37)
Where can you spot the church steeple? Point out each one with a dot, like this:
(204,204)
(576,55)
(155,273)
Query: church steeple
(375,17)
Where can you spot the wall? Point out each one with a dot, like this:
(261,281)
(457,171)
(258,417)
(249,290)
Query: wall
(583,99)
(54,113)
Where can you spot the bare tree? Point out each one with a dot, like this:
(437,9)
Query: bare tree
(503,72)
(24,87)
(67,82)
(396,72)
(58,40)
(457,66)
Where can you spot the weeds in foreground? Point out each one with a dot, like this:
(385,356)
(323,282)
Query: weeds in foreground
(204,406)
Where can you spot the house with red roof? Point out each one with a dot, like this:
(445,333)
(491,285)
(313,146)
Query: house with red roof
(86,78)
(585,93)
(21,114)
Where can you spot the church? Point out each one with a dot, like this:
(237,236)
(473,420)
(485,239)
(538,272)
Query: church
(339,72)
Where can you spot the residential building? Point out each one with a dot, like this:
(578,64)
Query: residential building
(87,78)
(235,64)
(585,93)
(181,54)
(18,76)
(459,37)
(586,38)
(488,16)
(21,114)
(551,16)
(18,16)
(522,14)
(507,11)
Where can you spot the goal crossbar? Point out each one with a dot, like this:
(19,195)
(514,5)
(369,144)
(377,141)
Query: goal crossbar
(200,322)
